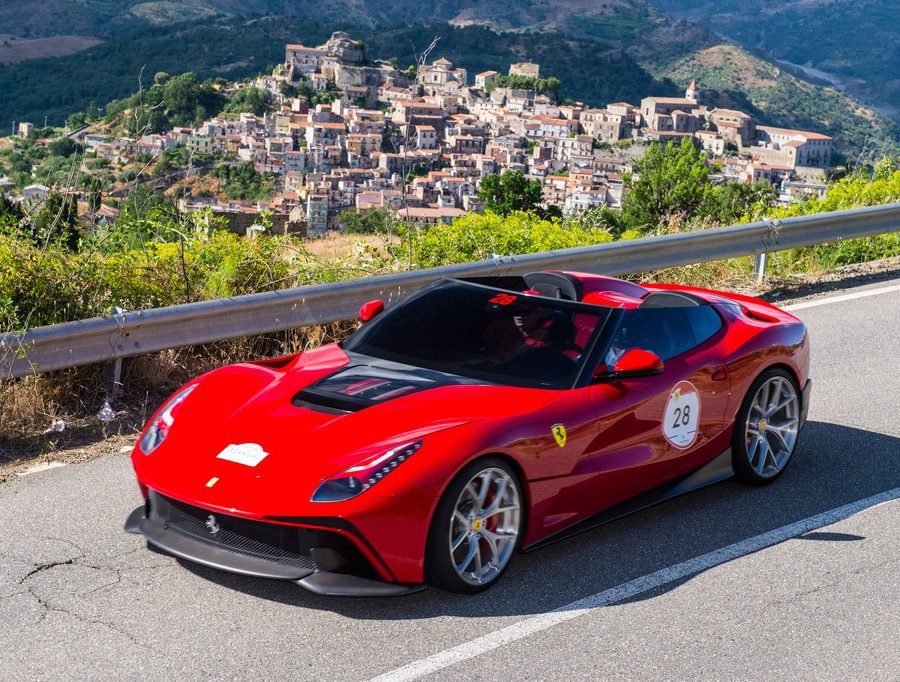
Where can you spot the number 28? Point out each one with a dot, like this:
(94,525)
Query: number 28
(682,416)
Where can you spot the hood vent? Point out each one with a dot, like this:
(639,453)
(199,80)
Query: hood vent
(355,388)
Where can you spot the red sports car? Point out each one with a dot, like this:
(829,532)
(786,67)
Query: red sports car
(475,419)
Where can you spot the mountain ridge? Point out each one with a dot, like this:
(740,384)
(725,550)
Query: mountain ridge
(656,50)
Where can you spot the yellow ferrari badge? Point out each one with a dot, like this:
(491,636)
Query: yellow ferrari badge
(559,433)
(211,482)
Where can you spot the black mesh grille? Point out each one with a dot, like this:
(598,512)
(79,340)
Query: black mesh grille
(286,545)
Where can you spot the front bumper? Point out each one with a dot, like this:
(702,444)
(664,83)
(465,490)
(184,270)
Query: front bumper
(317,559)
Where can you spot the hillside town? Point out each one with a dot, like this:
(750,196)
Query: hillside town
(419,141)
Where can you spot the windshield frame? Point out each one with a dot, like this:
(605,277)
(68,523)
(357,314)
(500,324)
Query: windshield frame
(607,319)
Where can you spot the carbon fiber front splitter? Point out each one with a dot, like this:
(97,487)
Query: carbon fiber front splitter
(313,579)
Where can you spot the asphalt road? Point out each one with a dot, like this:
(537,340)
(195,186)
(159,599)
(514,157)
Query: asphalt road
(800,591)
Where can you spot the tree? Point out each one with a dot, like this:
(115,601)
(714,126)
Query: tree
(509,192)
(56,221)
(729,202)
(10,211)
(64,147)
(250,100)
(668,180)
(373,221)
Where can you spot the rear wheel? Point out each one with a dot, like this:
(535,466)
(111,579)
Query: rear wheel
(766,428)
(476,528)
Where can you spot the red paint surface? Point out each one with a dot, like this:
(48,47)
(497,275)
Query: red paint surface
(615,447)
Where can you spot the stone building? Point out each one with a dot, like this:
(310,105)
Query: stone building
(441,77)
(529,69)
(800,147)
(484,79)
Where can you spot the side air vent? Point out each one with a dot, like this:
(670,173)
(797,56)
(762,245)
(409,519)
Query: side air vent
(760,316)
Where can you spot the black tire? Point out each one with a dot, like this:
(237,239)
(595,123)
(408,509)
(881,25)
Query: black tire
(741,461)
(440,571)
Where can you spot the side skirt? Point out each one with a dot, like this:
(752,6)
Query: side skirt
(715,471)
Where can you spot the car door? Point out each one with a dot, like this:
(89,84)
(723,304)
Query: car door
(652,429)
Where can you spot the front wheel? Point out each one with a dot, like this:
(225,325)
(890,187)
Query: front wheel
(476,528)
(766,428)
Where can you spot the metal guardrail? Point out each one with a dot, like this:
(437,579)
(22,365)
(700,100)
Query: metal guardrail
(99,340)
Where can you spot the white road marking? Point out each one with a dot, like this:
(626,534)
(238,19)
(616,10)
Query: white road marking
(41,466)
(842,297)
(543,621)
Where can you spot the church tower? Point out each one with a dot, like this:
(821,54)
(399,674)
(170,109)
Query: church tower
(691,92)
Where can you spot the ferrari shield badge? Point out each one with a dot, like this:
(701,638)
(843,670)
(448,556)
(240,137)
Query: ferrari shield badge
(559,434)
(248,454)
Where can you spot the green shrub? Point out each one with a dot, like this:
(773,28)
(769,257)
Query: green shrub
(476,237)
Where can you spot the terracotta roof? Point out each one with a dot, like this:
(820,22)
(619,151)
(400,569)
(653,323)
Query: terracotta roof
(669,100)
(789,131)
(730,112)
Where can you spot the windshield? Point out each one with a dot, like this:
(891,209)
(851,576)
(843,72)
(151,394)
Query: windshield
(485,333)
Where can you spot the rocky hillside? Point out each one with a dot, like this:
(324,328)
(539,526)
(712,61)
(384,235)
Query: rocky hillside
(851,43)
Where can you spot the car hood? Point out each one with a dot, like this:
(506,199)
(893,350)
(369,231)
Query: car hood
(298,416)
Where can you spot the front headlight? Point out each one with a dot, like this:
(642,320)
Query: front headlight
(360,477)
(157,431)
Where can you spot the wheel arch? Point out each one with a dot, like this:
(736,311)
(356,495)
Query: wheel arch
(787,368)
(506,458)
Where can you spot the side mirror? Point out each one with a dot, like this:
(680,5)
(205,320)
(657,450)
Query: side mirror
(370,309)
(634,363)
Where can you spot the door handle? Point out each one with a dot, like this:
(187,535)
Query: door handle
(719,374)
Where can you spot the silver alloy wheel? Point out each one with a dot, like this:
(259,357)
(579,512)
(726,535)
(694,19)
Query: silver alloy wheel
(485,526)
(772,426)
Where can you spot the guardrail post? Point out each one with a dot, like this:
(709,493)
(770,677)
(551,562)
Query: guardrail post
(759,266)
(112,371)
(112,378)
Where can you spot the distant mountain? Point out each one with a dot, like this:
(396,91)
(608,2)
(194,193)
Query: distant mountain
(235,48)
(852,43)
(602,50)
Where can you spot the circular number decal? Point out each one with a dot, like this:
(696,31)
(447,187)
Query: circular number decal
(682,415)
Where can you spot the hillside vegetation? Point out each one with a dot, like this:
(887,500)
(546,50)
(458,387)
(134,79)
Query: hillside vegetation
(855,40)
(234,49)
(603,50)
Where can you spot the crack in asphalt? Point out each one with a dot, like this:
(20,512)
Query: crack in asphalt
(75,561)
(836,579)
(48,608)
(47,566)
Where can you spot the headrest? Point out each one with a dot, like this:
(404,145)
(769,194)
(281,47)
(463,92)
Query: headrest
(670,299)
(554,285)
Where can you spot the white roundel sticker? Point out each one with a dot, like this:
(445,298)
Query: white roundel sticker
(682,416)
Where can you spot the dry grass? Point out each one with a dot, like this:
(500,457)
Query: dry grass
(13,49)
(29,405)
(337,245)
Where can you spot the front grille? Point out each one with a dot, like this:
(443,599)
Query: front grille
(285,545)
